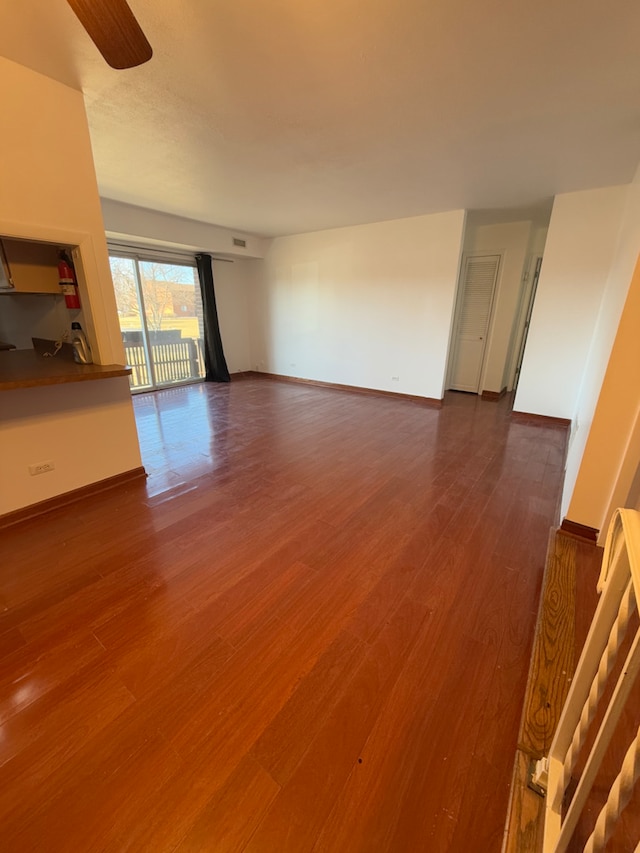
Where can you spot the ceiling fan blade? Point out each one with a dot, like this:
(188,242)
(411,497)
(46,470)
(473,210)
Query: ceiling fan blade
(114,30)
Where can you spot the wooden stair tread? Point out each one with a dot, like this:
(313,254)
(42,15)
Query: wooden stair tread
(567,604)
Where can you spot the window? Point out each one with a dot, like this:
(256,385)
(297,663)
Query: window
(160,313)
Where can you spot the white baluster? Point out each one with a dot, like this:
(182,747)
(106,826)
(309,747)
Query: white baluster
(619,796)
(616,636)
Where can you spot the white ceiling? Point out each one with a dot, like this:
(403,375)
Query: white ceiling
(281,116)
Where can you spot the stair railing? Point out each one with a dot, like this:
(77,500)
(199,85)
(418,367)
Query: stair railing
(619,587)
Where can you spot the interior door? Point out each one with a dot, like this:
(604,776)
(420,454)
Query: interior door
(480,274)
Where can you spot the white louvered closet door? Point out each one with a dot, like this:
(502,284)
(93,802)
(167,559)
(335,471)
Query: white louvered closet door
(480,276)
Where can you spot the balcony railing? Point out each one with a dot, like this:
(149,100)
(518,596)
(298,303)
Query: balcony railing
(173,361)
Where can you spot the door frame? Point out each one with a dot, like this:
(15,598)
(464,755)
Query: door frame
(523,321)
(138,257)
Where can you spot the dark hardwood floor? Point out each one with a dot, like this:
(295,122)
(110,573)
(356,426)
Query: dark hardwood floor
(309,630)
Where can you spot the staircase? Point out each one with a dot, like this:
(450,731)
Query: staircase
(578,795)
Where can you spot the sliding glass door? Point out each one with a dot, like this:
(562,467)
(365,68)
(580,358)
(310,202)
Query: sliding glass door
(160,312)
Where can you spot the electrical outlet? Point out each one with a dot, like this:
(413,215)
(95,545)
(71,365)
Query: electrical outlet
(41,468)
(395,379)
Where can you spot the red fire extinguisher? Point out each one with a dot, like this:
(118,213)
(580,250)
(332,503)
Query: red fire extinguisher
(68,284)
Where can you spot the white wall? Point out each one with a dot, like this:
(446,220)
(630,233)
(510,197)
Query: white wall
(603,456)
(49,189)
(49,192)
(361,305)
(232,282)
(127,221)
(579,251)
(89,436)
(24,316)
(538,240)
(511,240)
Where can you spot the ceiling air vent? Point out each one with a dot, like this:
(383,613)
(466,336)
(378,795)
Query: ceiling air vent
(238,242)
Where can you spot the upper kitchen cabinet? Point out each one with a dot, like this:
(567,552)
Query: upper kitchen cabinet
(29,267)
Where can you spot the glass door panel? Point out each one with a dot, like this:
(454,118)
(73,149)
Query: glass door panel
(125,284)
(173,313)
(160,312)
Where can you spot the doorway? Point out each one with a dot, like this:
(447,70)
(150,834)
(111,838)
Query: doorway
(527,322)
(161,321)
(479,277)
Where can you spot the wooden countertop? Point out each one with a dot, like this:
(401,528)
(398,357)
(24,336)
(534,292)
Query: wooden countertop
(24,368)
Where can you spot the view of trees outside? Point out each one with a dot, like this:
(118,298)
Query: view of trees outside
(170,333)
(170,293)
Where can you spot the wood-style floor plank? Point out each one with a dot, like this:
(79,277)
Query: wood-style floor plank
(555,651)
(525,825)
(309,629)
(231,817)
(301,807)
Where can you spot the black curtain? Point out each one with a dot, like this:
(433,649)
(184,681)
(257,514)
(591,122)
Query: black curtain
(214,361)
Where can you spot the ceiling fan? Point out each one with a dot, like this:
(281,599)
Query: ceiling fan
(114,30)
